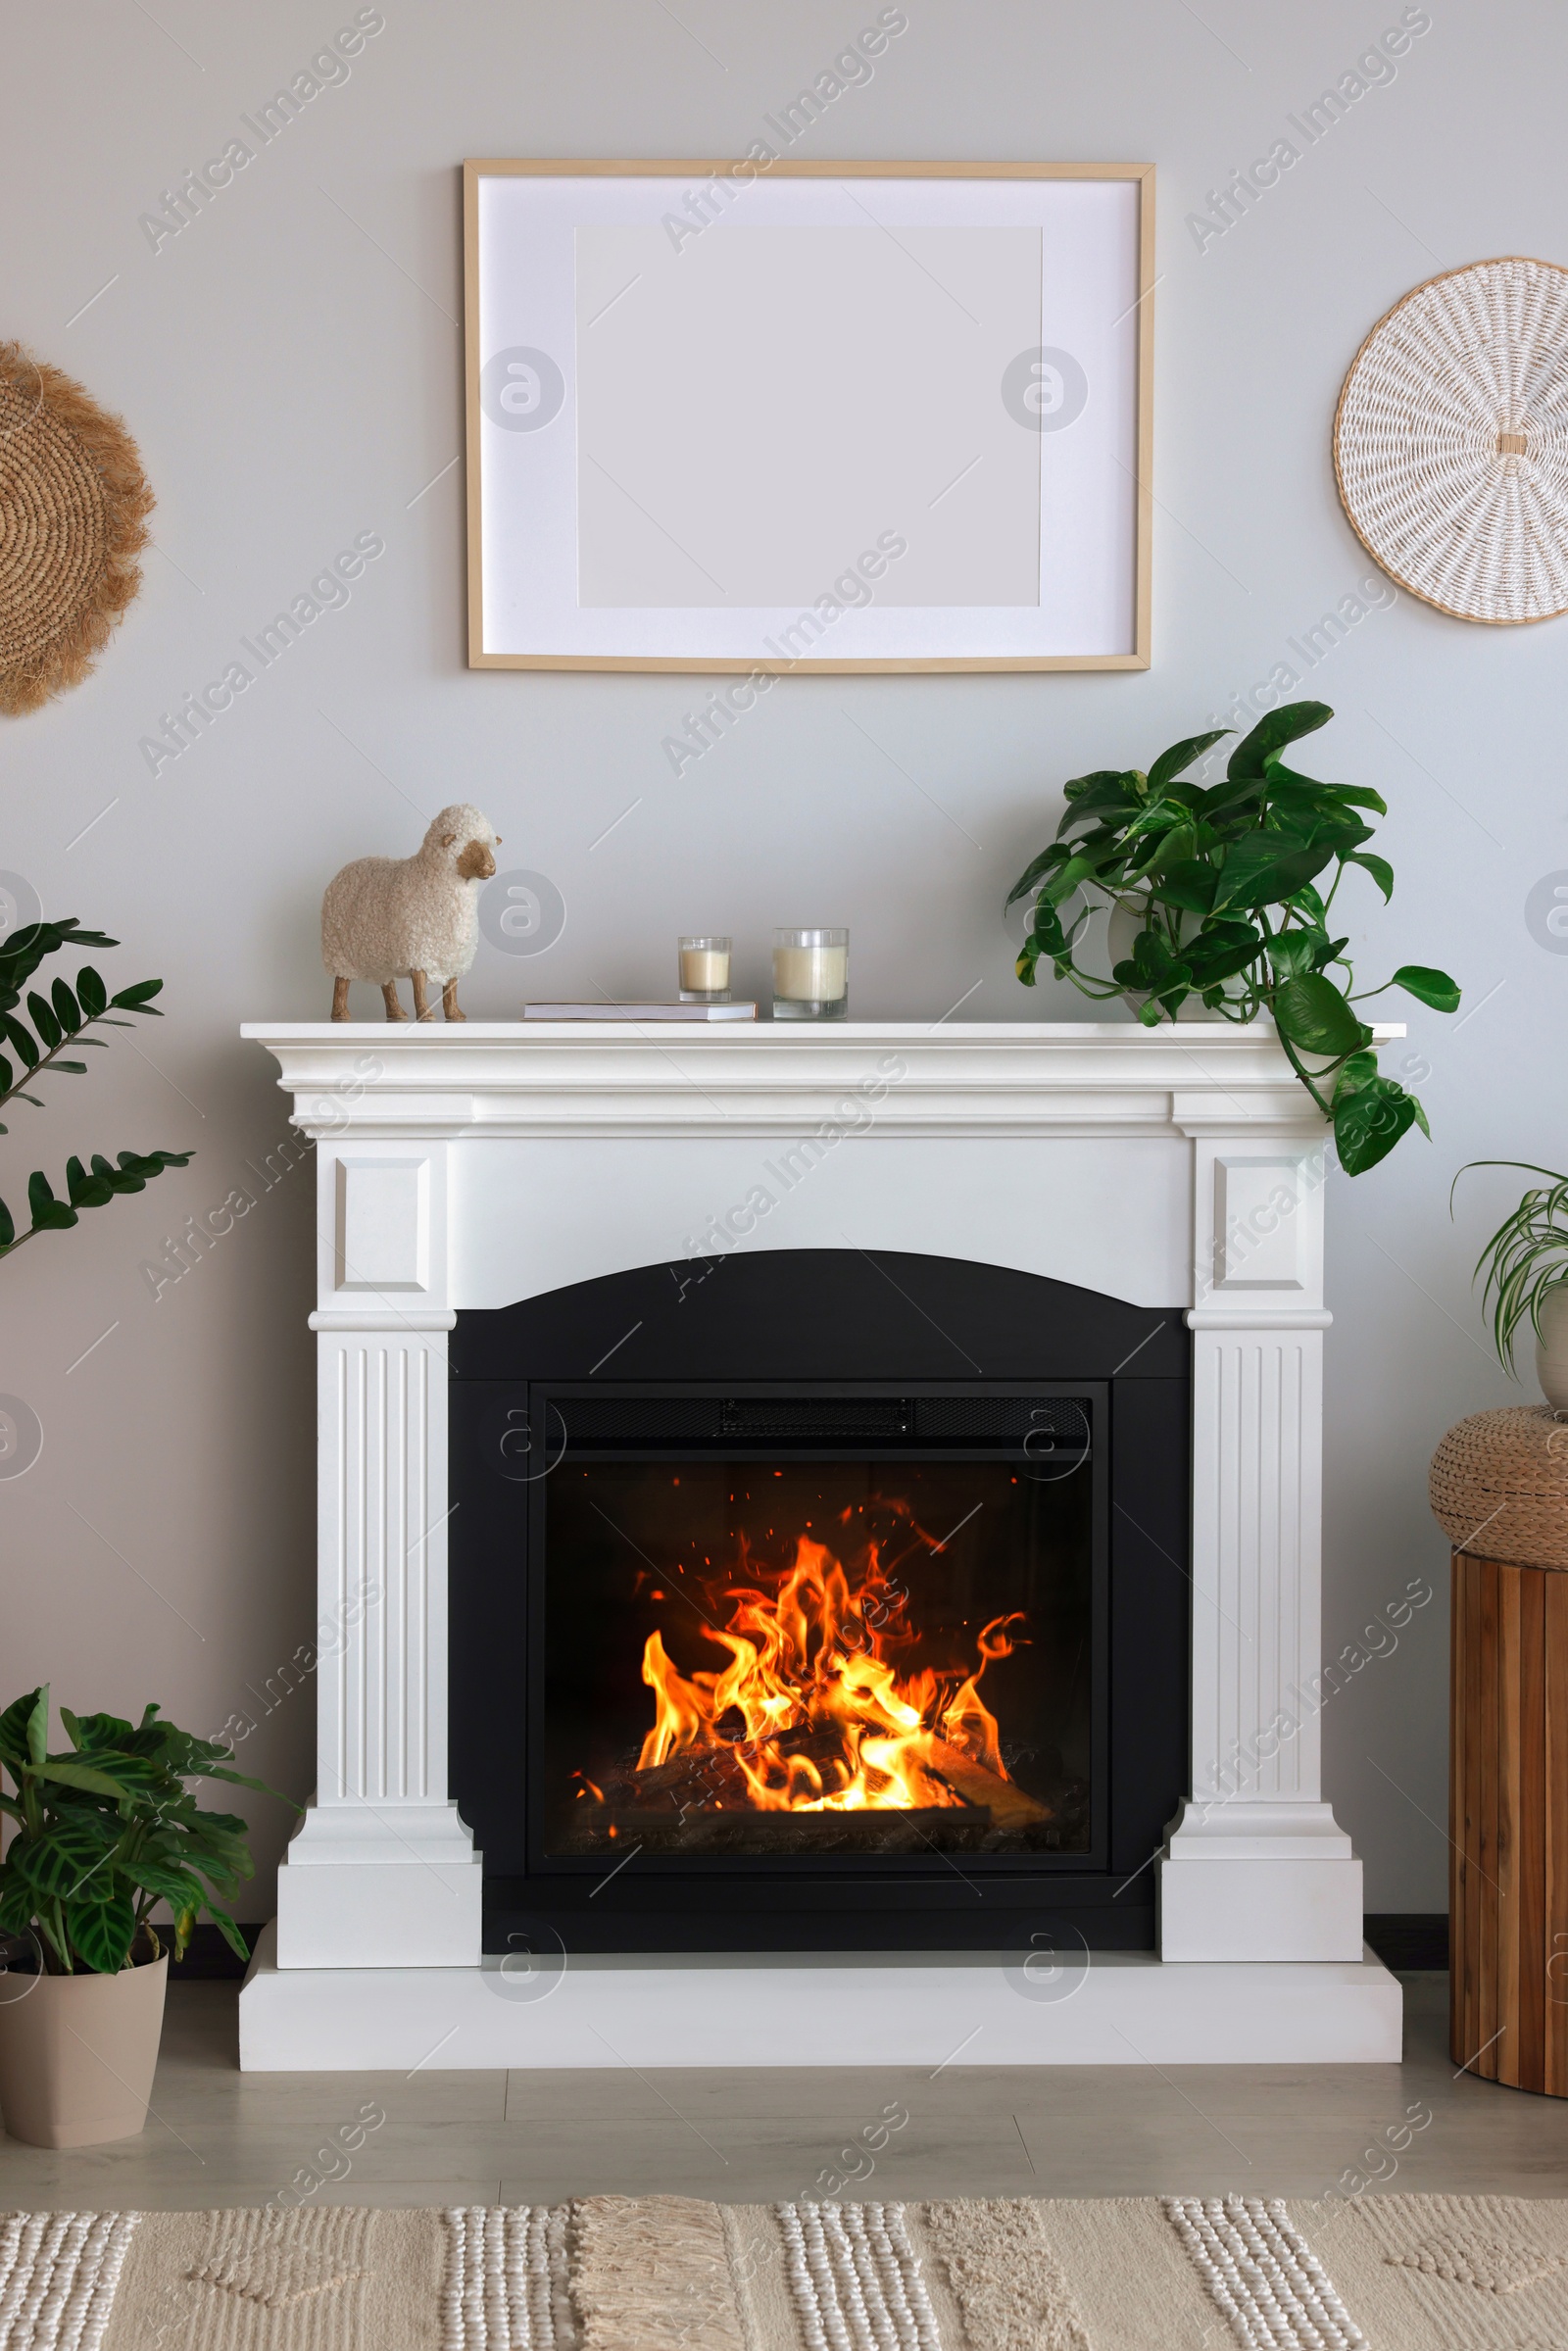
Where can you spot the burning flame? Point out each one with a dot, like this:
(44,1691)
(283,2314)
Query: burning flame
(811,1707)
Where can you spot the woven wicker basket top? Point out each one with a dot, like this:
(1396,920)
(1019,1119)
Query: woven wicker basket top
(1451,441)
(1499,1486)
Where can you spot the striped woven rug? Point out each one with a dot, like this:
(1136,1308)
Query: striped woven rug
(669,2273)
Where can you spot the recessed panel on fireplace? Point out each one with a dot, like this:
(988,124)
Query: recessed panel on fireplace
(856,1655)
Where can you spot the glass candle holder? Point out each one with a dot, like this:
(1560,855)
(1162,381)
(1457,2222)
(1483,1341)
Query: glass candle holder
(810,975)
(704,964)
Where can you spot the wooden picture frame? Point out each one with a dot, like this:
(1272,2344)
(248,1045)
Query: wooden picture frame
(593,571)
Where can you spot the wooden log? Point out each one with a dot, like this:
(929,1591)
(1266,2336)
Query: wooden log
(1508,1826)
(1009,1806)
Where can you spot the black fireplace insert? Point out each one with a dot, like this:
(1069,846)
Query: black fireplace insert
(810,1601)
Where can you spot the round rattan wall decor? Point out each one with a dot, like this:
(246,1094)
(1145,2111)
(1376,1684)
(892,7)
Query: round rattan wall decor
(1450,442)
(74,508)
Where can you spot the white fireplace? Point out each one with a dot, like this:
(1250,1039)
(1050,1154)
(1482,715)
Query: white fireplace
(477,1165)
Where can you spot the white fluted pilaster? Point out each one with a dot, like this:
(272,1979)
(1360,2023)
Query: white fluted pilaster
(382,1872)
(1256,1867)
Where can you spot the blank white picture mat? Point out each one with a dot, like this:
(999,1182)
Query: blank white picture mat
(526,288)
(753,410)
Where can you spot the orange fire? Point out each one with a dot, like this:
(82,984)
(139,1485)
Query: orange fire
(811,1707)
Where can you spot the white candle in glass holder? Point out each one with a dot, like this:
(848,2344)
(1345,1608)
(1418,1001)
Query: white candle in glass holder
(808,970)
(704,968)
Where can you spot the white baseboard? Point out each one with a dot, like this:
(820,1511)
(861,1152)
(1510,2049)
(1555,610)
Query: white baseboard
(926,2009)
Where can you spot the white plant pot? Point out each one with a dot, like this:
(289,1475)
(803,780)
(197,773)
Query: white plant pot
(1552,1348)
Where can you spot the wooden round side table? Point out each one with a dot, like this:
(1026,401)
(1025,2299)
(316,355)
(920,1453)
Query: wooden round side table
(1499,1487)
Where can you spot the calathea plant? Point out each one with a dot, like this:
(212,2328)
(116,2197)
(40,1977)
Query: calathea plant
(107,1829)
(60,1022)
(1225,886)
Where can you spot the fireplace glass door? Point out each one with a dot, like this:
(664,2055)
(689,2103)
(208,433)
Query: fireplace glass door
(822,1632)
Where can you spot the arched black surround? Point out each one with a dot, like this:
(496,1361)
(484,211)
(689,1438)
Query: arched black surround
(821,1321)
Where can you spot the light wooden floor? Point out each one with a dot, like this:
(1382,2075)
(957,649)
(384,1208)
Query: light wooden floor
(222,2137)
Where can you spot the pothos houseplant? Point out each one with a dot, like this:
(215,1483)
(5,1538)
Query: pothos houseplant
(107,1829)
(1225,888)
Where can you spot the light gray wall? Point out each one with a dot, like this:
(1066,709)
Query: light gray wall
(290,364)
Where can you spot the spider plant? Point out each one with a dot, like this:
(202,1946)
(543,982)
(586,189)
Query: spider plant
(1527,1257)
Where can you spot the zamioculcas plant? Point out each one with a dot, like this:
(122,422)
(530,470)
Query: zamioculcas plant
(1225,887)
(60,1024)
(108,1828)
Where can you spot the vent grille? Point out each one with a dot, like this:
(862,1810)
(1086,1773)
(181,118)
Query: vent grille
(817,1416)
(1004,1419)
(1040,1423)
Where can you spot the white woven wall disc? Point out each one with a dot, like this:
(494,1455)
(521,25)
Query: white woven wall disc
(1451,441)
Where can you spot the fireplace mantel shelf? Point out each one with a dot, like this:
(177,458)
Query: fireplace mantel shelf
(646,1079)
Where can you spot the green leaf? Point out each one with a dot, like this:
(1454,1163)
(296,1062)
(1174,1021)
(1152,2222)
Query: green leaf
(86,1190)
(227,1827)
(1214,958)
(49,1215)
(103,1932)
(56,1863)
(1080,787)
(1264,870)
(1379,868)
(21,1041)
(1056,855)
(64,1772)
(1361,1069)
(16,1903)
(135,998)
(229,1931)
(95,1729)
(92,992)
(209,1771)
(180,1888)
(1273,731)
(1293,952)
(1429,987)
(41,1013)
(38,1727)
(131,1775)
(1189,885)
(15,1749)
(1352,796)
(1369,1122)
(66,1010)
(1180,757)
(1153,970)
(1066,879)
(1316,1016)
(142,1167)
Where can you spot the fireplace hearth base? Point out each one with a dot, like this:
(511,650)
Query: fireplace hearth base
(890,2008)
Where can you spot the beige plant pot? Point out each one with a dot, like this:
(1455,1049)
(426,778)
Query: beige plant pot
(1552,1349)
(77,2054)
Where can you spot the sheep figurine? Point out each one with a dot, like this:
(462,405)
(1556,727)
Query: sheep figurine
(416,918)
